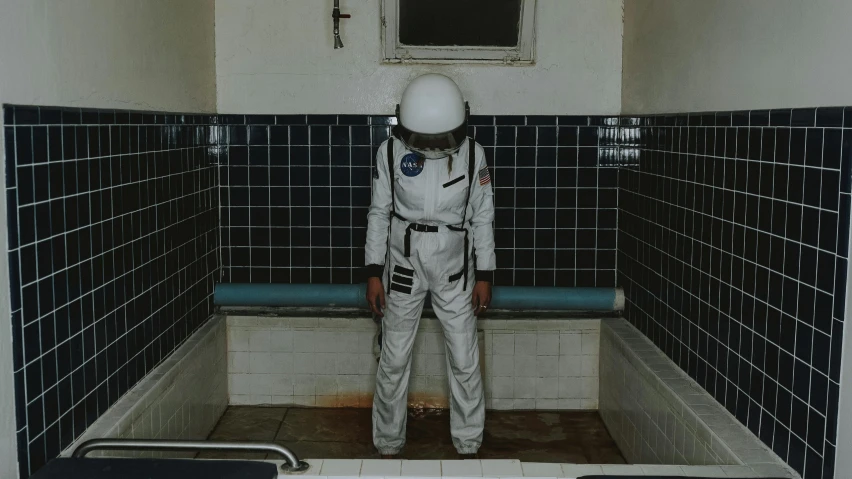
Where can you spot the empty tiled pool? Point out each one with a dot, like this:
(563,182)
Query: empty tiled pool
(587,396)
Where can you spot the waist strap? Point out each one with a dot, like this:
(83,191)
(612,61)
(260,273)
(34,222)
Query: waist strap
(421,228)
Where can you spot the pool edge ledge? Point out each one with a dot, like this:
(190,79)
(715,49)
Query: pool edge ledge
(646,399)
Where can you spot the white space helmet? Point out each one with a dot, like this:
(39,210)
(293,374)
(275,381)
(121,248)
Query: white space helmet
(432,116)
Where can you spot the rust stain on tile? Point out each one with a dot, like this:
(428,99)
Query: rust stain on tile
(355,400)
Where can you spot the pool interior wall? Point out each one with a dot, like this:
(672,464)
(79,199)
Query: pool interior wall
(658,415)
(661,430)
(182,398)
(331,362)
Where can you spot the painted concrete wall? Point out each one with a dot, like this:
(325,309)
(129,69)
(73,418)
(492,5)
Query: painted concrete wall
(152,54)
(276,56)
(735,55)
(8,440)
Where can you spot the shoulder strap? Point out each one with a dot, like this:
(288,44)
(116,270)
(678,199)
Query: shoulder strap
(390,158)
(471,161)
(471,170)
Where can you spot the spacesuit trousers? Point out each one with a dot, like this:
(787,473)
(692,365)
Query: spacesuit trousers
(434,258)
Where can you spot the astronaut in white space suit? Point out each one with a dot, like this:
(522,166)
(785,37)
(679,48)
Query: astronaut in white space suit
(430,221)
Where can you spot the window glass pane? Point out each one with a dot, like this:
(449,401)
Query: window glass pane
(459,22)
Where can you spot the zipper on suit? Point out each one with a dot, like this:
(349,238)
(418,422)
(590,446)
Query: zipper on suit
(430,196)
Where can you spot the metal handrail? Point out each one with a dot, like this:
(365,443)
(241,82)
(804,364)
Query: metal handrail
(293,464)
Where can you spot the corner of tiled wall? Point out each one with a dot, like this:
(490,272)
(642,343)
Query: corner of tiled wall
(183,398)
(658,415)
(113,252)
(733,251)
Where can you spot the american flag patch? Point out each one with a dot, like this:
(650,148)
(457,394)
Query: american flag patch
(484,176)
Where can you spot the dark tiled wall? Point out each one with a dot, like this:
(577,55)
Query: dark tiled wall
(732,242)
(113,249)
(733,247)
(296,189)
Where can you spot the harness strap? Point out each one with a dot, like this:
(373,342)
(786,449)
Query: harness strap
(471,166)
(390,160)
(420,229)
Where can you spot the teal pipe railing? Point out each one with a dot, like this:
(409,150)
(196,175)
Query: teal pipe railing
(352,296)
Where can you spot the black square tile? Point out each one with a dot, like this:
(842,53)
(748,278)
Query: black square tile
(804,117)
(299,135)
(481,120)
(26,115)
(739,118)
(759,118)
(829,117)
(813,156)
(260,119)
(546,136)
(322,119)
(258,135)
(588,136)
(510,120)
(289,119)
(780,117)
(541,120)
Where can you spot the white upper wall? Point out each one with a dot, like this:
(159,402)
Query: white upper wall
(713,55)
(129,54)
(277,56)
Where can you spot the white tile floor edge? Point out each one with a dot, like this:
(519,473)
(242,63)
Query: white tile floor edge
(548,364)
(505,469)
(658,415)
(182,398)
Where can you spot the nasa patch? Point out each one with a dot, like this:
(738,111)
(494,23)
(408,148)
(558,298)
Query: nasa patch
(411,165)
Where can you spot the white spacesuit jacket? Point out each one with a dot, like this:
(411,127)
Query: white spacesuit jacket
(432,195)
(433,226)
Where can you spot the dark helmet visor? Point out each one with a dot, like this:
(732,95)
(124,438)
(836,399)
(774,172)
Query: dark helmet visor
(447,142)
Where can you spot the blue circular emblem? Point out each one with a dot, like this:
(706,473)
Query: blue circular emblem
(411,165)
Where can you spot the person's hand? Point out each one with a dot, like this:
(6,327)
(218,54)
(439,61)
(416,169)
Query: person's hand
(376,296)
(481,297)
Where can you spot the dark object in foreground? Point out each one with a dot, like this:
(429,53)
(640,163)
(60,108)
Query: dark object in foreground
(654,477)
(131,468)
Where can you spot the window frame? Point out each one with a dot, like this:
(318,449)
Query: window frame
(393,51)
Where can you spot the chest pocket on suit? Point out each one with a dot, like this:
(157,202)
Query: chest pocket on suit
(453,193)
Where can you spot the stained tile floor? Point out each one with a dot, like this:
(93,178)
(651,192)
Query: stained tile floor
(321,433)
